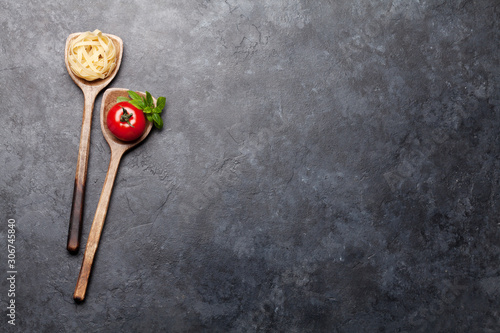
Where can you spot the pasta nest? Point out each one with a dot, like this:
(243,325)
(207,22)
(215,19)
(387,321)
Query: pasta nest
(92,55)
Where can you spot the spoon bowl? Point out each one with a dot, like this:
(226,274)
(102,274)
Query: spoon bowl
(99,83)
(118,148)
(108,101)
(90,90)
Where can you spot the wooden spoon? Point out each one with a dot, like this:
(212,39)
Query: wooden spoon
(118,148)
(90,90)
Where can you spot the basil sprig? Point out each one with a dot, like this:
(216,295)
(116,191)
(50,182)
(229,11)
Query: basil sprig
(147,105)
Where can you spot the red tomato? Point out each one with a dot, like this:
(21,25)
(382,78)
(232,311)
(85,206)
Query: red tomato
(126,121)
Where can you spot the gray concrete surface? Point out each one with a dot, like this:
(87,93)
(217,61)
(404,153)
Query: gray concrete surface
(326,166)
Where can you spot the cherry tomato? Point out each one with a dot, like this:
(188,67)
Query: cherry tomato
(126,121)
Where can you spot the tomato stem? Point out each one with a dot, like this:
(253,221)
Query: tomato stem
(125,118)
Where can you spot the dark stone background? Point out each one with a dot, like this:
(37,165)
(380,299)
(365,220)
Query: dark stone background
(326,166)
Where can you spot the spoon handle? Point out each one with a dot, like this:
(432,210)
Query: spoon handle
(75,221)
(97,225)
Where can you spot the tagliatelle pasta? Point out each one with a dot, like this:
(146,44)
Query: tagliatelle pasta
(92,55)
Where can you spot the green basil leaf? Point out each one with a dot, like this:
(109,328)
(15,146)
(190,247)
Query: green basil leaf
(149,117)
(157,121)
(138,104)
(149,99)
(147,109)
(122,99)
(160,103)
(134,95)
(156,110)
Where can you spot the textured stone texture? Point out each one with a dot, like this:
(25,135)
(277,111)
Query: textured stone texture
(326,166)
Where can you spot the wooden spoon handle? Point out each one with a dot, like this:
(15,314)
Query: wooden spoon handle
(75,220)
(97,225)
